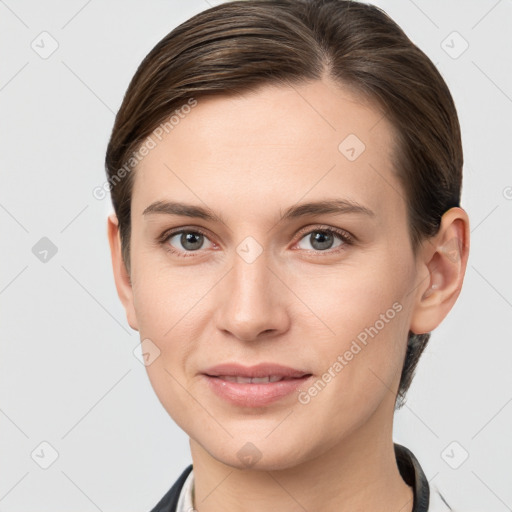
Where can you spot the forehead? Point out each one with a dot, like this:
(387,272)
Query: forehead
(272,147)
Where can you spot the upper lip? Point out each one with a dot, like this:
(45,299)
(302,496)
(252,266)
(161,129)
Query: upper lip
(259,370)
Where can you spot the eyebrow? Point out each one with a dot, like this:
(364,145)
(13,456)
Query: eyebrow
(183,209)
(332,206)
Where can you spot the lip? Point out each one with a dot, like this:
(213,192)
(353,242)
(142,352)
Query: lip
(254,394)
(259,370)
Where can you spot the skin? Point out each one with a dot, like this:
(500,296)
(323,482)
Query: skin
(248,158)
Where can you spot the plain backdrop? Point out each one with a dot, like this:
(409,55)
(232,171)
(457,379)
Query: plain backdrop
(74,396)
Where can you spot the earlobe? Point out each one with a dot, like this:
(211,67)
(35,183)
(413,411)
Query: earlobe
(444,259)
(121,275)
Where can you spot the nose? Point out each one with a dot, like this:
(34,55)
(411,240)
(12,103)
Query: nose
(253,299)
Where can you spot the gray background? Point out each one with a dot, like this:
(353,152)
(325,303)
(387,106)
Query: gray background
(68,372)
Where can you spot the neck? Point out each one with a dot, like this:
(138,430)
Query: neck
(359,473)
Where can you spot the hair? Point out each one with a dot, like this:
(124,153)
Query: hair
(238,46)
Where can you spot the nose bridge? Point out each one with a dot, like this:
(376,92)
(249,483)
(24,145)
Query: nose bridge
(250,280)
(252,303)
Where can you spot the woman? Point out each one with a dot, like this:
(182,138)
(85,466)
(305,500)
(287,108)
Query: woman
(286,180)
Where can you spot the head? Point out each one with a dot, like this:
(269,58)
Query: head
(248,111)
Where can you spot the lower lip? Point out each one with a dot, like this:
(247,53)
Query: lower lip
(254,395)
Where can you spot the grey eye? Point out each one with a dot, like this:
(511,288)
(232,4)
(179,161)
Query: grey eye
(321,240)
(189,240)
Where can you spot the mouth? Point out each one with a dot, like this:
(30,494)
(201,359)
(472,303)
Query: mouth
(255,386)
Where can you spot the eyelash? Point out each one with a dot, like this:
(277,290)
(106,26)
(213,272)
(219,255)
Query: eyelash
(346,238)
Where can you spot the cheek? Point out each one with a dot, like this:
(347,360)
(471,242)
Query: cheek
(361,363)
(168,318)
(351,298)
(164,297)
(365,311)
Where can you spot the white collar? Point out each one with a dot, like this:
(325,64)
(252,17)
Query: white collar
(186,499)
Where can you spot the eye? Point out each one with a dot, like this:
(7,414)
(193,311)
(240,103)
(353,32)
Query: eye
(324,238)
(185,241)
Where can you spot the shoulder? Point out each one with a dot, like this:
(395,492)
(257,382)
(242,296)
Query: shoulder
(170,500)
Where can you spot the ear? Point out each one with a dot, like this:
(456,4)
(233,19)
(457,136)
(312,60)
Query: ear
(121,275)
(442,265)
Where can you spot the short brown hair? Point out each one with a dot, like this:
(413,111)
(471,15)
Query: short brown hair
(237,46)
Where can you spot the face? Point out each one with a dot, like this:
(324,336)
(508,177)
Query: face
(324,289)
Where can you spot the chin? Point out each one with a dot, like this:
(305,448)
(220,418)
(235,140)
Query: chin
(256,453)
